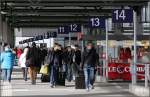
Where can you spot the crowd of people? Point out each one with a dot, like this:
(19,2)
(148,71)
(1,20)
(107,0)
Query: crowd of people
(68,61)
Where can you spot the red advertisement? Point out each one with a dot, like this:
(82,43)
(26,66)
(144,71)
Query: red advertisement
(123,71)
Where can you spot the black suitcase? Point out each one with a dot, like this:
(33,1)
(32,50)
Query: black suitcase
(45,78)
(61,79)
(80,81)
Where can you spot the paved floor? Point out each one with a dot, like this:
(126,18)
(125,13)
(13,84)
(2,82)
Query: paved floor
(18,87)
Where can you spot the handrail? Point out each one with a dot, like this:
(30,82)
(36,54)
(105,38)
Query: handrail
(146,74)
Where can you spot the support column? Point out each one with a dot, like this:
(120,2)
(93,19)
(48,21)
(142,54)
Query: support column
(137,30)
(7,35)
(1,30)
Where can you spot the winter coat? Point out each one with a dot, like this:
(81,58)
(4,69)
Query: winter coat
(7,59)
(77,57)
(68,57)
(22,60)
(33,57)
(54,58)
(89,58)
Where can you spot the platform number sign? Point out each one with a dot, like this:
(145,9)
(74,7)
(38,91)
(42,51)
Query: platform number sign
(74,28)
(63,30)
(97,22)
(122,16)
(53,34)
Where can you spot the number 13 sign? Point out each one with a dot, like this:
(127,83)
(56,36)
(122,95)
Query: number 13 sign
(97,22)
(122,16)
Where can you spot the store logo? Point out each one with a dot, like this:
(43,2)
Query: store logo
(121,69)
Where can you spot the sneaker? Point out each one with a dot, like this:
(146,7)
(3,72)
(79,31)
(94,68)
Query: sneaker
(53,86)
(87,89)
(33,82)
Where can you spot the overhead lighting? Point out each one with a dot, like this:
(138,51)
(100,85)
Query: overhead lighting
(2,12)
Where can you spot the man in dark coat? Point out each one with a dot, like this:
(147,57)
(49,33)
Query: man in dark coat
(55,62)
(76,60)
(68,60)
(88,63)
(33,62)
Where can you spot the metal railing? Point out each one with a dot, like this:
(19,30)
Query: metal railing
(146,74)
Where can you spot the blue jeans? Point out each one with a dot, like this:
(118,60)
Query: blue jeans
(89,76)
(69,72)
(53,74)
(6,74)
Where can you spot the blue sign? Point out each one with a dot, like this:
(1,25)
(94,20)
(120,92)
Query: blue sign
(97,22)
(122,16)
(53,34)
(74,28)
(40,37)
(36,38)
(63,30)
(46,35)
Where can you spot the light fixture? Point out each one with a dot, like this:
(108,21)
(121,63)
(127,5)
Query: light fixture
(2,12)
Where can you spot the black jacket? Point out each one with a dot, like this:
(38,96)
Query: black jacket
(77,56)
(89,58)
(68,57)
(54,57)
(33,56)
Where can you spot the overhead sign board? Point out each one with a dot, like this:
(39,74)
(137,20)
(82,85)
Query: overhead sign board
(74,28)
(122,16)
(97,22)
(63,30)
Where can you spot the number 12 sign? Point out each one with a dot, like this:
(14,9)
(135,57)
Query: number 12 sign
(122,16)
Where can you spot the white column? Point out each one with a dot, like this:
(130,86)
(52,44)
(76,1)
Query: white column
(134,78)
(106,63)
(148,12)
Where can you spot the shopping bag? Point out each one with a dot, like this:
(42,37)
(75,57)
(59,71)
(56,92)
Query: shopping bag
(44,70)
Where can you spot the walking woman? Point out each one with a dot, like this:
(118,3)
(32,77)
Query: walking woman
(22,63)
(7,62)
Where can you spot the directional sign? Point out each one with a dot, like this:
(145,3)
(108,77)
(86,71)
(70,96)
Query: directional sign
(63,30)
(97,22)
(46,35)
(31,39)
(52,34)
(35,38)
(40,37)
(20,42)
(74,28)
(24,41)
(122,16)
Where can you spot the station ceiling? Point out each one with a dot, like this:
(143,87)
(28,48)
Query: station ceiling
(53,13)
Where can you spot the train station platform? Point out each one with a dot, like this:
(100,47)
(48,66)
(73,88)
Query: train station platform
(20,88)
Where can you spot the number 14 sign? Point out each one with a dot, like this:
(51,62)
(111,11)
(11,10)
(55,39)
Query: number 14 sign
(122,16)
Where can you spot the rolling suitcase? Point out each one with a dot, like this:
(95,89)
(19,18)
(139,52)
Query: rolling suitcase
(80,81)
(61,79)
(45,78)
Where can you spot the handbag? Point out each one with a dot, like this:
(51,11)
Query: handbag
(28,63)
(44,70)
